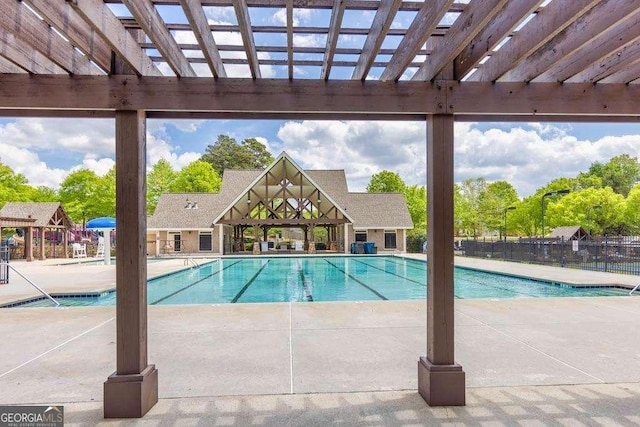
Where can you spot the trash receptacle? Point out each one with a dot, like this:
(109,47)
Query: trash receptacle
(354,247)
(368,247)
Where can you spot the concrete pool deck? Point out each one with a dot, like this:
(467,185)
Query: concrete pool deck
(547,361)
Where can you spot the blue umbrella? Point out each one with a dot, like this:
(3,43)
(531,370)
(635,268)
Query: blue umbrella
(104,224)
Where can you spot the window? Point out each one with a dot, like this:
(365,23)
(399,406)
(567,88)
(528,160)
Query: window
(361,236)
(205,241)
(390,239)
(176,241)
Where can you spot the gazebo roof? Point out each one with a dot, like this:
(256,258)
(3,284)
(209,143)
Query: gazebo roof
(482,57)
(34,214)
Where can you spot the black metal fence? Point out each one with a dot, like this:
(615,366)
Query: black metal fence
(4,264)
(610,254)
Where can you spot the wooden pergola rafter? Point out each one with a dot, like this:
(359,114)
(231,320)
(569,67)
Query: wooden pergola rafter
(479,60)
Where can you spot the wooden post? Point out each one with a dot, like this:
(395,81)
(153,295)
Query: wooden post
(65,242)
(133,389)
(41,231)
(441,381)
(28,244)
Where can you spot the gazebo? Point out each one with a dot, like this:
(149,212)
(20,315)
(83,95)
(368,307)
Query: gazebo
(37,216)
(478,60)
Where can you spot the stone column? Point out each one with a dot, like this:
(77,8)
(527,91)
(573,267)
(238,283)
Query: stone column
(133,389)
(441,381)
(65,242)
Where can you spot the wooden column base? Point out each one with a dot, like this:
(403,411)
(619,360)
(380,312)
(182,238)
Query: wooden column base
(131,396)
(441,385)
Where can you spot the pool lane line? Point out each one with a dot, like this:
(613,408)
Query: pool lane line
(307,293)
(389,272)
(194,283)
(378,294)
(246,286)
(408,263)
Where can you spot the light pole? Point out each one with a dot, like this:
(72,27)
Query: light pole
(504,246)
(550,193)
(589,216)
(507,209)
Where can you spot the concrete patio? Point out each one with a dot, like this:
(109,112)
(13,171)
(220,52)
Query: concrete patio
(545,360)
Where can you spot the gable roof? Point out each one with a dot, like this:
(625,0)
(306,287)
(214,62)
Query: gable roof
(364,210)
(572,232)
(42,212)
(283,161)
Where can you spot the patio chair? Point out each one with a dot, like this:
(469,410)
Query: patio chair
(100,251)
(79,250)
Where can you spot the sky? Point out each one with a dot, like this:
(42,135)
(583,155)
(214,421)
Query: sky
(528,155)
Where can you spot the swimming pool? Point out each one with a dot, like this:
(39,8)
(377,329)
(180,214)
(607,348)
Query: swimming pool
(308,279)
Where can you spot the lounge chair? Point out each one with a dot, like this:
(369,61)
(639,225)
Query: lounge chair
(79,250)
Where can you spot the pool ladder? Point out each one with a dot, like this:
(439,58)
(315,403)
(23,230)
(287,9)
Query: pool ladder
(34,285)
(188,261)
(634,289)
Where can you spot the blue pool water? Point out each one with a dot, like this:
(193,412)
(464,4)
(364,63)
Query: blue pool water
(360,278)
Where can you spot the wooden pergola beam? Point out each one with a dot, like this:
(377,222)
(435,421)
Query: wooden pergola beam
(615,41)
(290,38)
(266,96)
(612,63)
(7,66)
(332,37)
(502,24)
(153,25)
(381,23)
(244,22)
(25,56)
(60,15)
(419,31)
(195,14)
(551,20)
(16,18)
(412,6)
(104,22)
(578,37)
(464,29)
(626,75)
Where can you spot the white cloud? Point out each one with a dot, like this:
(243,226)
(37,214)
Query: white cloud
(300,16)
(361,148)
(158,148)
(310,40)
(94,135)
(527,156)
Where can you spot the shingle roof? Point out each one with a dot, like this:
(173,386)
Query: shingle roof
(171,211)
(380,210)
(41,211)
(569,232)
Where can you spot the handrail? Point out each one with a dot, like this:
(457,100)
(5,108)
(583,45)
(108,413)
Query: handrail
(191,261)
(34,285)
(635,289)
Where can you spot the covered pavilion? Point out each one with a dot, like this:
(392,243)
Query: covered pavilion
(41,216)
(478,60)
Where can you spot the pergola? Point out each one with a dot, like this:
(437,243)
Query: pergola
(479,60)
